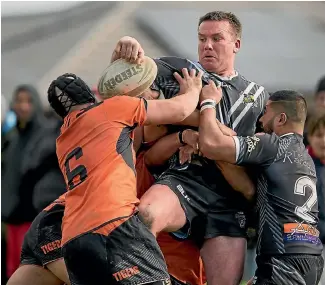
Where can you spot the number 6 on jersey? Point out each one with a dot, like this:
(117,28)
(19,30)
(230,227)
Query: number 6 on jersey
(79,170)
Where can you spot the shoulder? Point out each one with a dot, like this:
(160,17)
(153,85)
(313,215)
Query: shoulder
(254,84)
(262,140)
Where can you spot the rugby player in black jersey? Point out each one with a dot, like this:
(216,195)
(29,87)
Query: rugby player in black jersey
(289,249)
(205,205)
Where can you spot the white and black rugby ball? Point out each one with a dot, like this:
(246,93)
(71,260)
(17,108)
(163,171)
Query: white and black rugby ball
(125,78)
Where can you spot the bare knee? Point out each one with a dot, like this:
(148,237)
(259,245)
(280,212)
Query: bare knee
(160,210)
(223,259)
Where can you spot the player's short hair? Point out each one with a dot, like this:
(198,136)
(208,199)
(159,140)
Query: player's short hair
(315,123)
(290,102)
(231,18)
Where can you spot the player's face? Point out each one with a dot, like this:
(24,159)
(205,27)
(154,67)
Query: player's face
(217,46)
(317,142)
(23,106)
(267,120)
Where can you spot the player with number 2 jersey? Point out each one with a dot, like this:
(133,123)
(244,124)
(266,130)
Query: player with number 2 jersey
(288,249)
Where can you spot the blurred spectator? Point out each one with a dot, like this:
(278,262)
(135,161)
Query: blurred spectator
(320,95)
(316,138)
(316,148)
(318,106)
(8,122)
(30,166)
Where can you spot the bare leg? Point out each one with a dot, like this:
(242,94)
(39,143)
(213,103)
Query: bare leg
(161,210)
(33,274)
(223,259)
(59,269)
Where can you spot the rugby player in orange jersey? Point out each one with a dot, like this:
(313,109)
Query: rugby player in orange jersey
(41,260)
(41,257)
(104,239)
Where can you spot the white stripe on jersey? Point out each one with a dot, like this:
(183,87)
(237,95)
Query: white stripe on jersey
(241,99)
(248,106)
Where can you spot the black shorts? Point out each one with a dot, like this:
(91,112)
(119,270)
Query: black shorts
(42,242)
(127,255)
(289,270)
(211,206)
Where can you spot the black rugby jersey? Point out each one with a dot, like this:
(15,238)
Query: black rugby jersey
(242,103)
(286,195)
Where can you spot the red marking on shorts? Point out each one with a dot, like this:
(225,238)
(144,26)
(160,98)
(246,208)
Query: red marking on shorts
(126,273)
(51,246)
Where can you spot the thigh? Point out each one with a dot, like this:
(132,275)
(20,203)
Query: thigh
(219,263)
(194,197)
(161,209)
(31,274)
(59,269)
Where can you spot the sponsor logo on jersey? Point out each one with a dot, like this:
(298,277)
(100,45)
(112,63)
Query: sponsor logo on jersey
(51,246)
(299,232)
(252,143)
(126,273)
(182,191)
(249,98)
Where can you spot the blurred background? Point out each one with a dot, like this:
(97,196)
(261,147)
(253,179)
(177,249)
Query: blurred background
(283,47)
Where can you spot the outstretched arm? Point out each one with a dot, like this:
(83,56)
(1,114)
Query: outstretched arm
(176,109)
(260,149)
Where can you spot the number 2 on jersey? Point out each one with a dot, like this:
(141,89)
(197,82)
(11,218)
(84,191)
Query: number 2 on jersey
(300,189)
(79,170)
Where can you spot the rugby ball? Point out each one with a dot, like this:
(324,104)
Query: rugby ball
(125,78)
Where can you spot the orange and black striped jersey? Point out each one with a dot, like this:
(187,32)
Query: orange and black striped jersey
(96,157)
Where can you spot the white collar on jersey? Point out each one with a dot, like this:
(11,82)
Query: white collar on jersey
(288,134)
(225,78)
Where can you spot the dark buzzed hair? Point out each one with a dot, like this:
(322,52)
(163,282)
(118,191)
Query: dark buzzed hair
(224,16)
(290,102)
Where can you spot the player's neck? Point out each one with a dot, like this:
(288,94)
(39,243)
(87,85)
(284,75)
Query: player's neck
(228,73)
(224,71)
(79,107)
(290,129)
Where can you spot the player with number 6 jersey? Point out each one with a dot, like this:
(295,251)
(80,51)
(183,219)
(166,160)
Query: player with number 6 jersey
(289,249)
(104,239)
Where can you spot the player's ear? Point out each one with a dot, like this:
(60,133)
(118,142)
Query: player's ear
(282,119)
(237,46)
